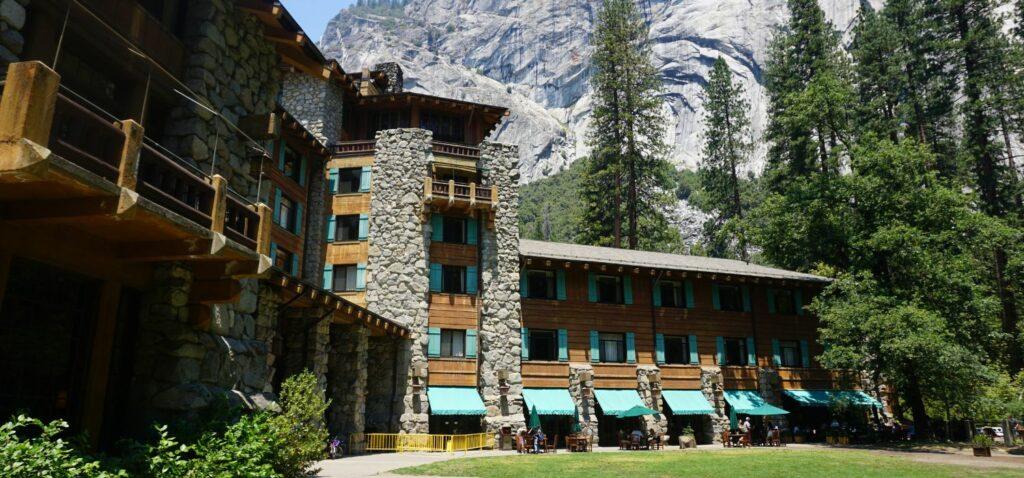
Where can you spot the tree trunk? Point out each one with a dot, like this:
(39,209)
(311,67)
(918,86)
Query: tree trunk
(916,401)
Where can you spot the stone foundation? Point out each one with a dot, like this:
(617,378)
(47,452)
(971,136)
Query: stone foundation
(712,385)
(346,380)
(651,400)
(586,405)
(385,384)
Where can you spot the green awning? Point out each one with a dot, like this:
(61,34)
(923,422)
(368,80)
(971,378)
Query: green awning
(455,401)
(549,401)
(615,402)
(687,402)
(748,402)
(823,398)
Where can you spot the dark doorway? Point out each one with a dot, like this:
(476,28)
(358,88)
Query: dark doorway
(455,424)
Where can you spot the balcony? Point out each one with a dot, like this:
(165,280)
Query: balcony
(64,161)
(454,195)
(448,155)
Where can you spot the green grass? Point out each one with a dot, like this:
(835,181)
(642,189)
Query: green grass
(711,464)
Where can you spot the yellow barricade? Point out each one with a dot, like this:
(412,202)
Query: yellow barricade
(396,442)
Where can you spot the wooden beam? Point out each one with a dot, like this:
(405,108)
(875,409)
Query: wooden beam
(182,249)
(266,225)
(128,169)
(101,351)
(215,292)
(59,209)
(220,203)
(29,99)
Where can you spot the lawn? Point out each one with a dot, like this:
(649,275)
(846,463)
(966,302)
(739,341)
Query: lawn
(711,464)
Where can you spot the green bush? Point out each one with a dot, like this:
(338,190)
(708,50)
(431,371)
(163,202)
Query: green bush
(300,425)
(982,440)
(30,448)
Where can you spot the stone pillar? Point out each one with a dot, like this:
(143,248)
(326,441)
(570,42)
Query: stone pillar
(385,384)
(346,381)
(769,385)
(315,247)
(644,374)
(393,71)
(316,103)
(397,274)
(712,385)
(500,318)
(586,405)
(267,309)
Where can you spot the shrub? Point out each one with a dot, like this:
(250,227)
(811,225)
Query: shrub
(300,425)
(246,449)
(982,440)
(30,448)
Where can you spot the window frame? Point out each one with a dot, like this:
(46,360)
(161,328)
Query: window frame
(551,289)
(684,340)
(294,159)
(619,295)
(452,338)
(463,226)
(345,268)
(286,210)
(550,354)
(282,254)
(338,223)
(797,353)
(445,285)
(732,307)
(356,182)
(743,353)
(789,299)
(678,294)
(603,338)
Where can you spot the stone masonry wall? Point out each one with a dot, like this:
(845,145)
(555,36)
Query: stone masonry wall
(587,406)
(712,385)
(12,20)
(346,380)
(397,275)
(644,374)
(316,103)
(500,317)
(393,71)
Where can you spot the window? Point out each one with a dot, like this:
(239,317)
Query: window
(344,278)
(282,259)
(444,127)
(540,284)
(543,345)
(613,348)
(454,230)
(453,343)
(735,351)
(730,298)
(385,120)
(347,228)
(789,353)
(453,279)
(671,294)
(292,164)
(348,180)
(609,290)
(286,213)
(677,349)
(785,303)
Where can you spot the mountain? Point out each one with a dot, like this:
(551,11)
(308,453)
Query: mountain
(533,57)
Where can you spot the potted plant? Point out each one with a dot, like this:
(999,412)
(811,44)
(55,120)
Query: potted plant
(982,445)
(687,439)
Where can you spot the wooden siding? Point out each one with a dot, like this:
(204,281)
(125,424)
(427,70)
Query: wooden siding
(452,372)
(545,374)
(607,375)
(353,252)
(354,203)
(680,377)
(454,311)
(349,162)
(453,254)
(739,378)
(358,298)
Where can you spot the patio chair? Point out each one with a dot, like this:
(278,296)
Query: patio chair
(776,438)
(623,441)
(635,442)
(726,439)
(520,444)
(551,446)
(745,440)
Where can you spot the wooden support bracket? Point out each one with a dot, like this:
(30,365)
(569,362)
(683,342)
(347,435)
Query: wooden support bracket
(128,170)
(220,203)
(28,103)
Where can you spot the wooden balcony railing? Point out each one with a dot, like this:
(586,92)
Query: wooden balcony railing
(173,186)
(452,192)
(458,150)
(354,148)
(85,138)
(241,222)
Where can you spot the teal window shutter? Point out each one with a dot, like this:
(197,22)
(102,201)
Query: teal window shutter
(360,276)
(591,287)
(471,231)
(437,228)
(805,354)
(798,301)
(770,295)
(280,155)
(659,348)
(746,298)
(302,171)
(435,277)
(563,345)
(329,277)
(523,285)
(560,284)
(751,353)
(364,226)
(364,179)
(273,252)
(433,342)
(525,334)
(332,225)
(720,347)
(694,355)
(471,280)
(627,289)
(277,206)
(595,347)
(657,292)
(715,301)
(776,354)
(689,294)
(293,266)
(332,181)
(630,347)
(471,343)
(297,229)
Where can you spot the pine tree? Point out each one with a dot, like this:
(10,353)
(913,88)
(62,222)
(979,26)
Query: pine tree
(627,178)
(726,149)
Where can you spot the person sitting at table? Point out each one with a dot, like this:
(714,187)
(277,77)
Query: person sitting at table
(538,440)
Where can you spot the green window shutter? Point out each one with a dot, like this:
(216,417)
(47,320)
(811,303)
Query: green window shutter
(471,343)
(715,301)
(273,252)
(563,345)
(630,347)
(435,277)
(798,301)
(277,206)
(720,346)
(689,295)
(302,171)
(437,228)
(523,285)
(280,155)
(776,353)
(364,179)
(332,181)
(332,225)
(746,298)
(329,277)
(471,231)
(595,347)
(657,293)
(560,284)
(433,342)
(525,334)
(471,279)
(591,287)
(293,266)
(360,276)
(297,229)
(770,295)
(659,348)
(364,226)
(751,353)
(805,354)
(694,354)
(627,290)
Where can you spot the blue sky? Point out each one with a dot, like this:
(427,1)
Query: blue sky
(313,15)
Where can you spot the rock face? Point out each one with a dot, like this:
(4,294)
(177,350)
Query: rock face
(533,57)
